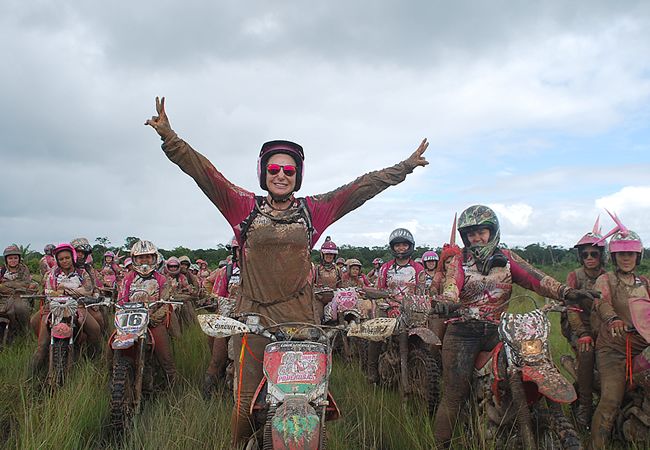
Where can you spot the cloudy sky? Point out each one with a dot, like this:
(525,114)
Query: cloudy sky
(538,109)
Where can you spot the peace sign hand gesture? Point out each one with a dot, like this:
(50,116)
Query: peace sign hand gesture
(416,157)
(160,123)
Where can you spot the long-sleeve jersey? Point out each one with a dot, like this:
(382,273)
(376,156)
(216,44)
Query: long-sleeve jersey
(275,262)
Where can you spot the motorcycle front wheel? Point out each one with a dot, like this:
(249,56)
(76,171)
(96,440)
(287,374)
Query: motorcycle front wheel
(60,349)
(424,377)
(122,393)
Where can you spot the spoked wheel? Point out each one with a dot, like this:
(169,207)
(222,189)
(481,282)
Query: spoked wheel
(561,432)
(424,377)
(58,368)
(122,394)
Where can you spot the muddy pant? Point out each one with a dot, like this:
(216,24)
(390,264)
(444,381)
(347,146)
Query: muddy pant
(252,374)
(163,351)
(585,373)
(16,309)
(218,358)
(188,313)
(98,316)
(85,323)
(611,364)
(462,344)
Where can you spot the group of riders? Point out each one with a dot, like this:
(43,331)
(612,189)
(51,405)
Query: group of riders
(270,273)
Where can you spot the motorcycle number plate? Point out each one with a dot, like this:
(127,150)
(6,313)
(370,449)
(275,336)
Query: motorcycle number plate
(131,322)
(219,326)
(377,329)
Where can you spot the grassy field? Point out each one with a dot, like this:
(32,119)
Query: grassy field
(75,417)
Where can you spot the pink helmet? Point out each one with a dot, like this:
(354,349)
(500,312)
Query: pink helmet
(173,261)
(234,243)
(377,261)
(200,262)
(128,262)
(288,148)
(627,241)
(594,238)
(49,248)
(109,253)
(623,240)
(329,247)
(429,255)
(65,247)
(340,260)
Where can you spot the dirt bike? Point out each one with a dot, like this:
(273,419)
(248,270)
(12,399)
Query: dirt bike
(292,402)
(518,383)
(7,333)
(62,321)
(410,356)
(223,306)
(348,306)
(133,357)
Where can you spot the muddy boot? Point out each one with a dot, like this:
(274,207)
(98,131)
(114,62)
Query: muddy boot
(373,362)
(583,415)
(209,385)
(569,364)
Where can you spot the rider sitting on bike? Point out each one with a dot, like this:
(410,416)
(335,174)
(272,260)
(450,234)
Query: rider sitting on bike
(618,341)
(374,272)
(84,250)
(277,232)
(110,272)
(353,276)
(577,326)
(146,285)
(484,275)
(429,262)
(14,280)
(400,276)
(64,280)
(47,262)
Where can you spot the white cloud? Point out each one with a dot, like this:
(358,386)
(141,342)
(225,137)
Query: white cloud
(517,214)
(628,199)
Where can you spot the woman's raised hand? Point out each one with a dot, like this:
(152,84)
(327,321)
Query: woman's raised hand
(160,123)
(417,157)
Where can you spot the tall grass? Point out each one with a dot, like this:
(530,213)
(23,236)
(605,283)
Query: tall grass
(76,416)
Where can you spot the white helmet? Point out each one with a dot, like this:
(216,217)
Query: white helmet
(144,248)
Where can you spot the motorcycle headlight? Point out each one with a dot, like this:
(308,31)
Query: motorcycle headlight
(532,347)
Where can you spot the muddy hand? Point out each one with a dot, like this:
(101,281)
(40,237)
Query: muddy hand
(417,156)
(160,123)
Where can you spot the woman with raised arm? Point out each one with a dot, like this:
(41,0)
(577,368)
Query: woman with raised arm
(276,233)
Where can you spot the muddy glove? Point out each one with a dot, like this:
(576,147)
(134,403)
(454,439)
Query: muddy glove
(443,308)
(575,296)
(585,344)
(160,123)
(616,327)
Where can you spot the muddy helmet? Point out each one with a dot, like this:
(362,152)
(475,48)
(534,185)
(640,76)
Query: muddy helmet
(49,248)
(173,261)
(478,217)
(401,235)
(377,261)
(185,260)
(329,247)
(288,148)
(353,262)
(143,247)
(81,245)
(12,250)
(626,241)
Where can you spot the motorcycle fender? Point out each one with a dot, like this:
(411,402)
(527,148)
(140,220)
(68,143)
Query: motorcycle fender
(377,330)
(62,331)
(428,336)
(550,382)
(332,412)
(123,341)
(295,424)
(218,326)
(259,399)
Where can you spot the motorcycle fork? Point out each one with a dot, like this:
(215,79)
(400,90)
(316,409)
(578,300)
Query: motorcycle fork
(50,363)
(403,362)
(68,362)
(139,373)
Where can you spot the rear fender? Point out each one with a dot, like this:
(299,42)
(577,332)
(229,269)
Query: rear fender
(428,336)
(294,425)
(549,382)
